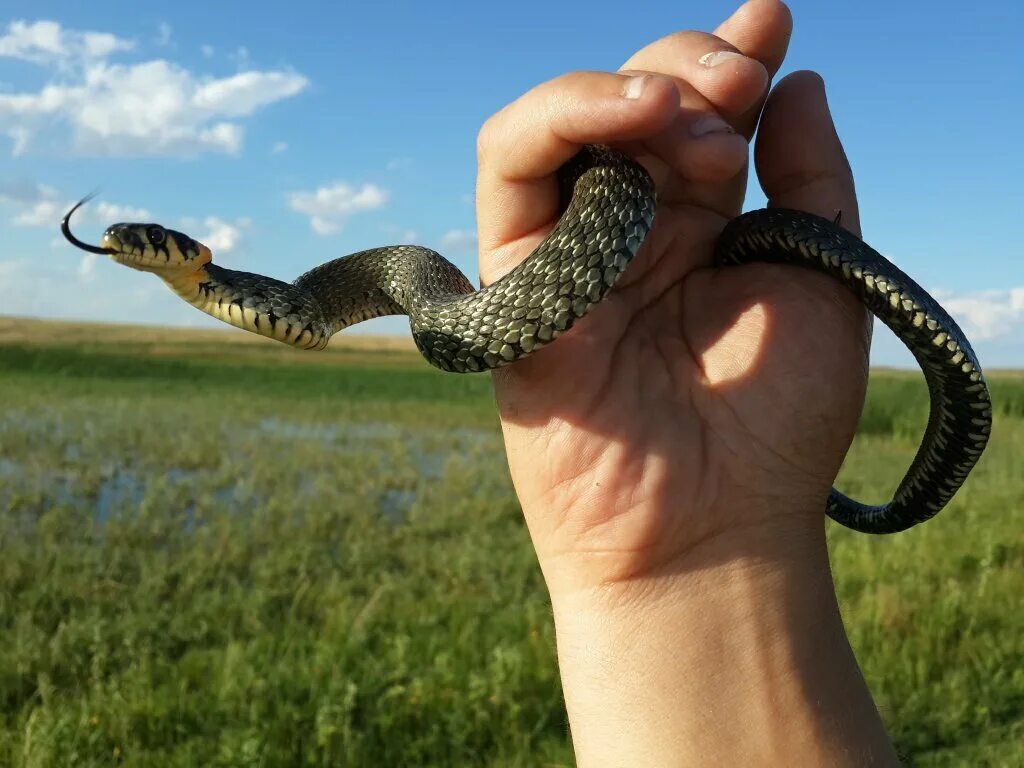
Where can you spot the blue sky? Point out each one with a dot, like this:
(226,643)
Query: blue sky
(284,139)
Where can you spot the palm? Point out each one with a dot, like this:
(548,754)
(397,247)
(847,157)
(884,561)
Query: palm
(688,394)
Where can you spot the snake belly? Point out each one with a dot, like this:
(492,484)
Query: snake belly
(609,206)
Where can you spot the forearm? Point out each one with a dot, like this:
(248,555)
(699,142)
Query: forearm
(735,655)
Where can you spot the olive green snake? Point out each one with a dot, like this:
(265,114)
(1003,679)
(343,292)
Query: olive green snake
(609,206)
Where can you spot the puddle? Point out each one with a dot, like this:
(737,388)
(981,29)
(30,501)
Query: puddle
(429,450)
(123,489)
(278,428)
(394,504)
(120,491)
(369,431)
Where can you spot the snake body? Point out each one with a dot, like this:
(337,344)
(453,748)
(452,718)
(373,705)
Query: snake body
(609,206)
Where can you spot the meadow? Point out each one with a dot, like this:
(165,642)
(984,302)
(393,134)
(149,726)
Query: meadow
(215,551)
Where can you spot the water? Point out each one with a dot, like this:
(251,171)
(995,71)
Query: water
(123,488)
(120,490)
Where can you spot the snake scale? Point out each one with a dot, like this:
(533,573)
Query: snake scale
(609,206)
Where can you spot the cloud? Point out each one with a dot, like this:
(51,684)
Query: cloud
(152,107)
(48,213)
(42,213)
(987,315)
(39,205)
(242,94)
(63,286)
(112,212)
(459,240)
(329,206)
(279,147)
(87,266)
(46,42)
(241,58)
(207,50)
(24,191)
(163,34)
(221,236)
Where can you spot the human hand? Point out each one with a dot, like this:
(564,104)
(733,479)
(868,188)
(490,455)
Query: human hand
(695,401)
(673,451)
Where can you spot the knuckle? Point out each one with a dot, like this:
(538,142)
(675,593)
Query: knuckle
(692,41)
(575,79)
(485,137)
(685,38)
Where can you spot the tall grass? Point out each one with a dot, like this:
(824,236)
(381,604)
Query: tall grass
(228,559)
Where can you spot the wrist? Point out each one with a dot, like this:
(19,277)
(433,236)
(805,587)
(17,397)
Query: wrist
(734,653)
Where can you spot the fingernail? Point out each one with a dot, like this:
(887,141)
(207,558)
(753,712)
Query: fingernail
(715,58)
(708,124)
(634,86)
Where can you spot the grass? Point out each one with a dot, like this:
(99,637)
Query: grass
(226,554)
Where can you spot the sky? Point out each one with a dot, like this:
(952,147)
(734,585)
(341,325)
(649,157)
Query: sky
(283,136)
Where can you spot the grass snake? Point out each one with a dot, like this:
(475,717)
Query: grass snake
(609,206)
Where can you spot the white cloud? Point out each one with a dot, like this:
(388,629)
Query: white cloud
(163,34)
(242,94)
(20,137)
(398,163)
(221,236)
(63,286)
(279,147)
(42,213)
(46,42)
(87,266)
(39,205)
(24,191)
(458,240)
(986,315)
(114,213)
(241,58)
(152,107)
(329,206)
(48,213)
(207,50)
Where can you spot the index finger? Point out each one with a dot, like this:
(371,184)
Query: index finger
(522,146)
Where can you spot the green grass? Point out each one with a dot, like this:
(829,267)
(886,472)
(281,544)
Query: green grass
(267,560)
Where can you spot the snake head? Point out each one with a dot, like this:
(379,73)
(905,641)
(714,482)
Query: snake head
(153,248)
(146,247)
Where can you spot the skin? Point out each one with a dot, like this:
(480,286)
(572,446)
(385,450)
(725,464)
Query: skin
(673,452)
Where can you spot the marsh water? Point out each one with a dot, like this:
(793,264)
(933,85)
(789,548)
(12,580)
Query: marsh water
(71,478)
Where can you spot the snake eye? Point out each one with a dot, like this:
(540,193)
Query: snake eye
(156,235)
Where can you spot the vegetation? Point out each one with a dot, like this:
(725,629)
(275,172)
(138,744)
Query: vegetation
(230,554)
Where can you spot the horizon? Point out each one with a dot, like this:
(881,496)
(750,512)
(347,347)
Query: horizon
(273,141)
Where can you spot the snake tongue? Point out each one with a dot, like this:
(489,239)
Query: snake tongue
(65,228)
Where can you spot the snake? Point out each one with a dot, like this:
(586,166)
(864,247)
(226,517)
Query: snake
(608,203)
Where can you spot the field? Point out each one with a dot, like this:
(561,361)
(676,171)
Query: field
(219,552)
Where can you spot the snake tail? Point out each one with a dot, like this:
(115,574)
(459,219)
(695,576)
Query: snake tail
(960,416)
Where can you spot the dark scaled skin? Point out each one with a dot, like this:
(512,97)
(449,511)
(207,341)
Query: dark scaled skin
(960,420)
(461,329)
